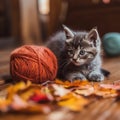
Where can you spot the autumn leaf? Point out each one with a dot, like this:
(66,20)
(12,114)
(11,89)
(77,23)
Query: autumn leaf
(85,92)
(15,88)
(29,97)
(113,86)
(26,93)
(75,83)
(36,108)
(73,102)
(105,92)
(4,103)
(19,86)
(41,97)
(59,90)
(20,105)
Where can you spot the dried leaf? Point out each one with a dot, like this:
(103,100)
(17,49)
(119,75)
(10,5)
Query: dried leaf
(68,84)
(17,87)
(85,92)
(73,102)
(4,103)
(28,97)
(18,103)
(59,90)
(105,92)
(26,94)
(111,86)
(36,108)
(40,97)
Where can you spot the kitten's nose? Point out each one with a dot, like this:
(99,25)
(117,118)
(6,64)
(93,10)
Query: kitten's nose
(74,59)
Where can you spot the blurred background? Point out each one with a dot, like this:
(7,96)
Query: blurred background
(33,21)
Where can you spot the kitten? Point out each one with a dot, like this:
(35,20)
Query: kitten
(78,54)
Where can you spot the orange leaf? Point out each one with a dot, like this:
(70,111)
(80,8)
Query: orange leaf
(75,83)
(85,92)
(105,92)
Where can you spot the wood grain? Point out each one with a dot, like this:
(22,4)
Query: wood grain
(30,27)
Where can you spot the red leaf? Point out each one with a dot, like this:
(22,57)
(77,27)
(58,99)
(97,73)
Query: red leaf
(39,97)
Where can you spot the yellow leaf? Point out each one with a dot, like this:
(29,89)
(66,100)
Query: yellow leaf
(15,88)
(73,102)
(25,95)
(4,103)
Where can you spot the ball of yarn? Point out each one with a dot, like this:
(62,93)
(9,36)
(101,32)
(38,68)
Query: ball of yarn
(35,63)
(111,44)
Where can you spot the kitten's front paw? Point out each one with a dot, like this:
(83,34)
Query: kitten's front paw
(75,76)
(95,76)
(79,78)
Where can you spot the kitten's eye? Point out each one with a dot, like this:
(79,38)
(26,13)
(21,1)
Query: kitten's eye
(70,52)
(82,52)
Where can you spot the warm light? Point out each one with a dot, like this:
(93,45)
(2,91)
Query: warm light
(106,1)
(44,7)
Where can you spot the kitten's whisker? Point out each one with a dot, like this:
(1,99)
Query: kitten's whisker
(62,65)
(68,62)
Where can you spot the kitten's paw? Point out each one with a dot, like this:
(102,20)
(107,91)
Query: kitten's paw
(75,76)
(79,78)
(94,76)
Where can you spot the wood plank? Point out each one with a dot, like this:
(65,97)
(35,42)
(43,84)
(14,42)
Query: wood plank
(30,27)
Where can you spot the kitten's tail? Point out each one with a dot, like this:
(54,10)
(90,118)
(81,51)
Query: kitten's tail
(106,73)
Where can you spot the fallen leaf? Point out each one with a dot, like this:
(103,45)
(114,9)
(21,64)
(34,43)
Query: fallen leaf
(111,86)
(40,97)
(105,92)
(75,83)
(59,90)
(4,103)
(29,97)
(36,108)
(73,102)
(17,87)
(18,103)
(85,92)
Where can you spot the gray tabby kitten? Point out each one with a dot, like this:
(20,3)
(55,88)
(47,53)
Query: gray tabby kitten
(78,54)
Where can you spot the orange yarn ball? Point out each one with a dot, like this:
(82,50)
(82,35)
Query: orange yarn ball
(35,63)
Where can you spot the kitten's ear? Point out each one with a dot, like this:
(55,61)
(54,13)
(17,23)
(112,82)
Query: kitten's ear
(68,33)
(93,36)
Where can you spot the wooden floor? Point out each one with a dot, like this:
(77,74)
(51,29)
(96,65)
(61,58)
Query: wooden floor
(107,109)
